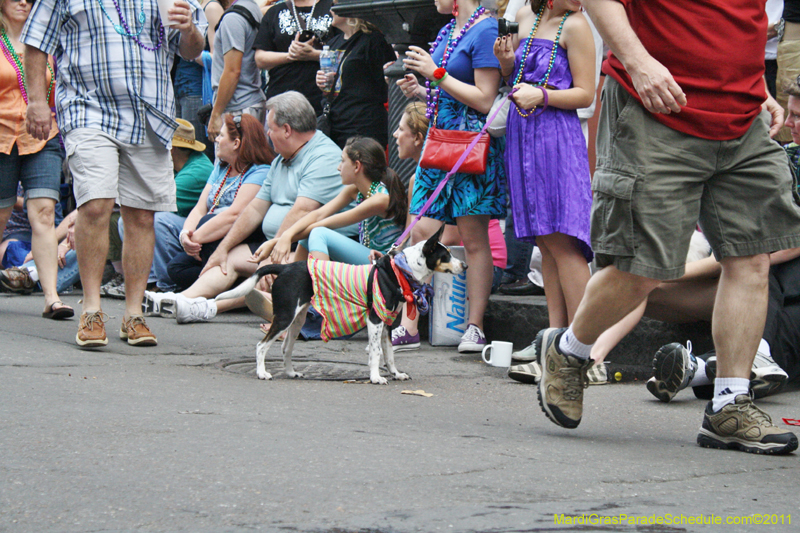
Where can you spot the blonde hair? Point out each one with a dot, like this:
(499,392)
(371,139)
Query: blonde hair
(417,120)
(361,25)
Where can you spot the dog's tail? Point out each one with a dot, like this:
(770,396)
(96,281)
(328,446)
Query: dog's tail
(247,285)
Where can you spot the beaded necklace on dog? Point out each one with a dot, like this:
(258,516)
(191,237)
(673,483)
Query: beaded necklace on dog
(527,50)
(124,30)
(433,96)
(16,63)
(221,191)
(363,234)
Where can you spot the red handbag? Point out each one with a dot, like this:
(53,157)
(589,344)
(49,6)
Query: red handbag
(443,148)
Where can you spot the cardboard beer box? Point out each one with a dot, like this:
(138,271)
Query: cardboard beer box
(450,309)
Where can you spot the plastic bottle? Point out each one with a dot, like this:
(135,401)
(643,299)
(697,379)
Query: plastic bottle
(327,64)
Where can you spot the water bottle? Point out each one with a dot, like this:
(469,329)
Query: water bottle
(327,64)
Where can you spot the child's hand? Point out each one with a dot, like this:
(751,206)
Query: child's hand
(263,252)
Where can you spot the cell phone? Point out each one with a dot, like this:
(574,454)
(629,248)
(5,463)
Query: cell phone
(506,27)
(306,35)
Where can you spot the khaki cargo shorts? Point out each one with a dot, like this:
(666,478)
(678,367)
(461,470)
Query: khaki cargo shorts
(653,185)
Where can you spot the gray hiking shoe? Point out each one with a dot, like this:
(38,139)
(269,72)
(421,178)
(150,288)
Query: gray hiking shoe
(674,367)
(563,380)
(743,426)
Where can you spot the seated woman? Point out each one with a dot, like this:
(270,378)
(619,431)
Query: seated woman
(381,207)
(243,159)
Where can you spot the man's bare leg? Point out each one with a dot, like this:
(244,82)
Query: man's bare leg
(137,256)
(91,245)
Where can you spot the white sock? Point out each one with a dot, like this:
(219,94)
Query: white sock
(700,377)
(763,348)
(727,389)
(212,310)
(33,273)
(570,345)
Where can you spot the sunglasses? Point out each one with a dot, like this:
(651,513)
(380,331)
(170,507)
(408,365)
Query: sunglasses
(29,2)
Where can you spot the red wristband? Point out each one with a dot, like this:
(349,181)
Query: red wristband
(439,73)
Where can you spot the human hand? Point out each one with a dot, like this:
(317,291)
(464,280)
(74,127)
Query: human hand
(302,51)
(374,255)
(263,252)
(265,283)
(420,61)
(71,237)
(409,85)
(282,250)
(218,259)
(659,91)
(189,246)
(180,16)
(38,119)
(324,81)
(527,96)
(776,111)
(214,126)
(504,52)
(63,248)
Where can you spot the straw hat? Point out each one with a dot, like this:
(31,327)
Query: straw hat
(184,136)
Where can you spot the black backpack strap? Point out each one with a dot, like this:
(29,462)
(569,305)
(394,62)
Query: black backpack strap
(241,10)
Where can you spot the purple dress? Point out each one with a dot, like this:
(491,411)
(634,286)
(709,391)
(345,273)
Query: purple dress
(547,163)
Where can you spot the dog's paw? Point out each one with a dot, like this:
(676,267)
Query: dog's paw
(401,376)
(294,374)
(264,375)
(379,380)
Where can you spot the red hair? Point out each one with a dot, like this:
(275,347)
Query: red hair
(253,146)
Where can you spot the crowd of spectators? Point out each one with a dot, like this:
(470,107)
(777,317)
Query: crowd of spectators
(206,161)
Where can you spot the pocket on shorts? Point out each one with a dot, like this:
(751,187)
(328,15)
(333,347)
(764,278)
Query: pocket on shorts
(612,213)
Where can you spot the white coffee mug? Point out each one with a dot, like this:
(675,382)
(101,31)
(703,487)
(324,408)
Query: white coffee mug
(163,10)
(500,354)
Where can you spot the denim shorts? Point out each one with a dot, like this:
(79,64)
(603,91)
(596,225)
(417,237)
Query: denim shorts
(654,184)
(39,173)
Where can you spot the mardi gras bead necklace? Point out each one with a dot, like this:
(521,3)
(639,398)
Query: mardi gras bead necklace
(16,63)
(363,234)
(527,50)
(221,191)
(124,30)
(433,96)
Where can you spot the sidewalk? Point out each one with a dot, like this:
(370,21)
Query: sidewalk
(183,437)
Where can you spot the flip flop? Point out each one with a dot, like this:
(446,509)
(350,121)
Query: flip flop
(58,313)
(259,303)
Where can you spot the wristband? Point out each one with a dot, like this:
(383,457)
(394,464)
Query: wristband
(437,81)
(439,73)
(182,233)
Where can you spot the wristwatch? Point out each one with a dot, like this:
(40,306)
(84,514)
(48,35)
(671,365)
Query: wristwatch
(780,27)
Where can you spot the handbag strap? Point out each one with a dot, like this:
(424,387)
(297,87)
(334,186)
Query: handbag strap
(455,168)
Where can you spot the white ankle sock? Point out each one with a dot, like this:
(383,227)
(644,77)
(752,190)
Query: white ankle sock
(700,377)
(212,310)
(727,389)
(34,274)
(572,346)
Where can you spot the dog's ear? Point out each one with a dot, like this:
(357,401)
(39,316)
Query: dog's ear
(430,244)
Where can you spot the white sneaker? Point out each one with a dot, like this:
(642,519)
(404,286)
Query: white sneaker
(159,304)
(194,309)
(526,355)
(473,340)
(766,377)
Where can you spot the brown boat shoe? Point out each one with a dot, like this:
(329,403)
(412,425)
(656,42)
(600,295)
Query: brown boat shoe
(136,332)
(92,330)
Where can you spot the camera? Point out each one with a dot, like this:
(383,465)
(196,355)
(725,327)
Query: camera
(306,35)
(506,27)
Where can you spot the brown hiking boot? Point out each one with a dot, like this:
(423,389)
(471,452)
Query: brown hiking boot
(743,426)
(563,380)
(17,280)
(136,332)
(92,330)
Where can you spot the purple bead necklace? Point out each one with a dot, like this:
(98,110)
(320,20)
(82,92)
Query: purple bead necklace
(12,57)
(127,31)
(432,110)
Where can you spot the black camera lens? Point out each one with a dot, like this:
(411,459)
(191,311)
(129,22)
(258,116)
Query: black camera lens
(506,27)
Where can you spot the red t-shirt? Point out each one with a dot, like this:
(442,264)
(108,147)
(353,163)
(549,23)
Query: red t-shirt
(714,50)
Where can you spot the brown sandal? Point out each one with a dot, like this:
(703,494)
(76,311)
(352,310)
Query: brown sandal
(58,313)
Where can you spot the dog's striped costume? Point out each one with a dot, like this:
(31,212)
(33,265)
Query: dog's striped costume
(340,295)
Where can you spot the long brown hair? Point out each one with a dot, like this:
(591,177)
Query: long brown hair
(372,157)
(253,148)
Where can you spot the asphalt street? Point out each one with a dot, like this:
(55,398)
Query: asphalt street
(183,437)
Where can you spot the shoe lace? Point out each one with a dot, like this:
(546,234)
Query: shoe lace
(753,412)
(473,334)
(136,321)
(199,309)
(575,380)
(98,317)
(398,332)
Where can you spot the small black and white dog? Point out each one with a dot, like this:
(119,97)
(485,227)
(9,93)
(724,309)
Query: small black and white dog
(294,289)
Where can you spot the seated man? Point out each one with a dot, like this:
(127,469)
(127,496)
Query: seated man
(302,178)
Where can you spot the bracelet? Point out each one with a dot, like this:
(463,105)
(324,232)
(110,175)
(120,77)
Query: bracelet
(182,233)
(436,82)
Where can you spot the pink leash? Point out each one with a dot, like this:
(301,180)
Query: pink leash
(455,168)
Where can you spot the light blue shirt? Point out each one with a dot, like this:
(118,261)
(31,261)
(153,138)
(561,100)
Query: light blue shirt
(105,80)
(312,173)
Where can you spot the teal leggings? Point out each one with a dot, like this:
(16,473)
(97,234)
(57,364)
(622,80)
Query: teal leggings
(336,246)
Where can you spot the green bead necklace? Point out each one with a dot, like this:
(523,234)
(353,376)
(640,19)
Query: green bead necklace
(16,62)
